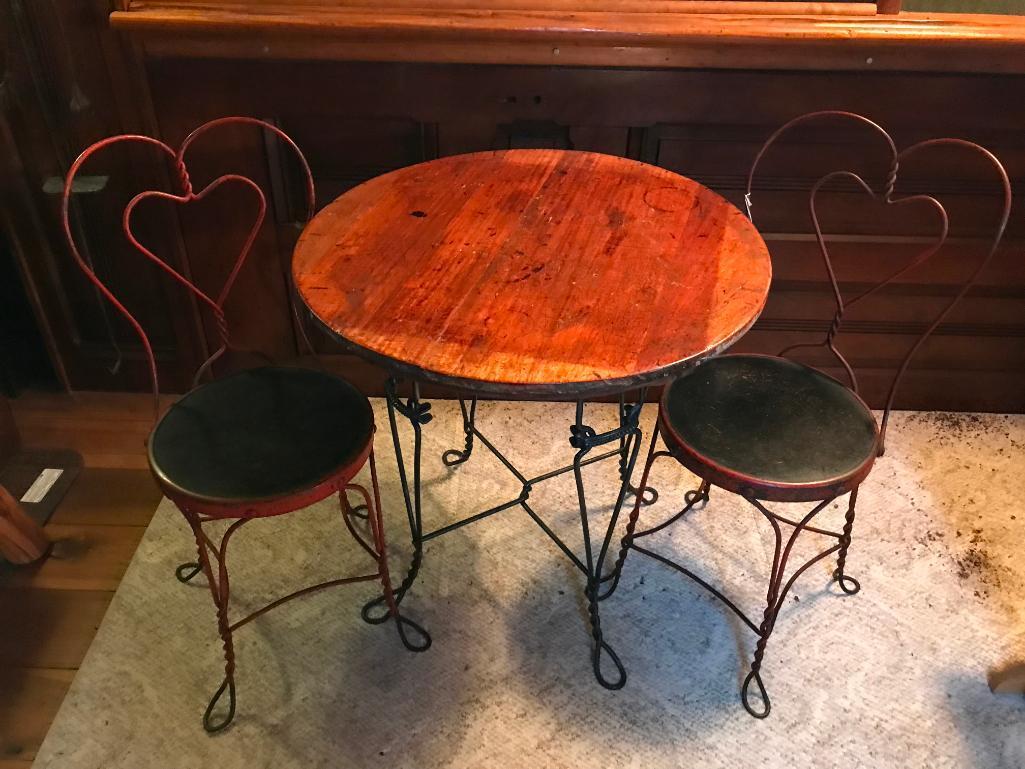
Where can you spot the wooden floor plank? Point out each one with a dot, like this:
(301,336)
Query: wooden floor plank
(49,628)
(107,429)
(30,702)
(83,557)
(115,461)
(119,405)
(109,496)
(51,611)
(88,437)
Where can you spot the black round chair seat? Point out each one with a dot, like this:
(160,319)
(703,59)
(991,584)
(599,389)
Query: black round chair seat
(261,434)
(754,420)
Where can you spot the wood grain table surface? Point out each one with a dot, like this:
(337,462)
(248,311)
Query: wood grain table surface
(544,273)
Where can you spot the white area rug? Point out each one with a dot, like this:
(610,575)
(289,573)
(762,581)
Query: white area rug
(892,677)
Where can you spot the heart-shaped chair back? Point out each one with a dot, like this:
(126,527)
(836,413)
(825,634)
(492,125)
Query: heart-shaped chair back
(213,301)
(887,196)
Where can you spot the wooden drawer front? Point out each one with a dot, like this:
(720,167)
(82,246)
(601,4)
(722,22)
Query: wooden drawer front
(344,151)
(866,261)
(721,156)
(801,291)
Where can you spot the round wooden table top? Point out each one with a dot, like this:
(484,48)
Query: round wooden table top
(533,272)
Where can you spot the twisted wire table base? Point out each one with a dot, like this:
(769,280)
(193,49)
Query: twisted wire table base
(583,438)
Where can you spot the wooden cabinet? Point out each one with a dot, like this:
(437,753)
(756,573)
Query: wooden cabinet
(356,120)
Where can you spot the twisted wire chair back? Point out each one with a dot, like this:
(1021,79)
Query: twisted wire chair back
(888,196)
(214,302)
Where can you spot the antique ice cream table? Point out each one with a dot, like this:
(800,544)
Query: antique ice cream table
(544,274)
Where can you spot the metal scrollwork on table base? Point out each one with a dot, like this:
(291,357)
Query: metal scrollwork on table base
(583,438)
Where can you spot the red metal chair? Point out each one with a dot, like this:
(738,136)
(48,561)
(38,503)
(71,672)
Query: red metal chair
(774,430)
(256,443)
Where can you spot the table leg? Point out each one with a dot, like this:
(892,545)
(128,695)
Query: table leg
(418,414)
(584,438)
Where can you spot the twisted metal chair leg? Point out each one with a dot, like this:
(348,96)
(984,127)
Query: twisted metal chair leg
(848,584)
(631,524)
(186,571)
(403,624)
(220,590)
(350,511)
(776,594)
(219,716)
(754,674)
(754,695)
(691,499)
(418,413)
(764,630)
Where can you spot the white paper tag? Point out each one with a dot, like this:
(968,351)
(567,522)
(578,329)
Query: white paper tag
(42,484)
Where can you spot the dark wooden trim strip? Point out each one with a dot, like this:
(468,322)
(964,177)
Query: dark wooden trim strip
(387,32)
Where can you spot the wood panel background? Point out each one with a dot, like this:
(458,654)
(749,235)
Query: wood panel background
(356,120)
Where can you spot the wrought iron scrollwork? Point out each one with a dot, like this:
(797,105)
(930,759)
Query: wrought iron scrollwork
(583,438)
(453,457)
(413,409)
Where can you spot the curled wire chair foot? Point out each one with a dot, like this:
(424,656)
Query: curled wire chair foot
(849,585)
(186,571)
(696,496)
(745,695)
(212,726)
(405,625)
(620,681)
(454,457)
(648,494)
(375,611)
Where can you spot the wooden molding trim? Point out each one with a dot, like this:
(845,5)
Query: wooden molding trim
(482,33)
(775,7)
(893,328)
